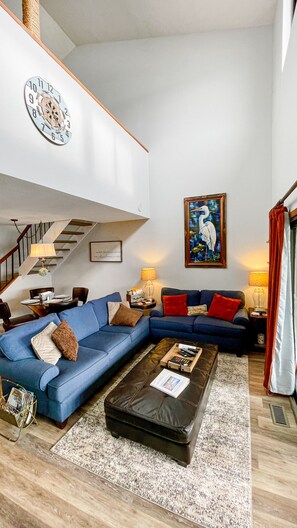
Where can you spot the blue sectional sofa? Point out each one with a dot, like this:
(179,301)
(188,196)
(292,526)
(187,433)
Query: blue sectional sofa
(62,388)
(230,336)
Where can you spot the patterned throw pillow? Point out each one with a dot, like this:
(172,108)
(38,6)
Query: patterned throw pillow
(66,341)
(113,308)
(44,347)
(126,316)
(223,307)
(200,309)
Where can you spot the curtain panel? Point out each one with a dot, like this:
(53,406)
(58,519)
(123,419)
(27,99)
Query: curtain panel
(280,359)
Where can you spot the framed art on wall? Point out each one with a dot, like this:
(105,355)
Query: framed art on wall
(205,231)
(106,251)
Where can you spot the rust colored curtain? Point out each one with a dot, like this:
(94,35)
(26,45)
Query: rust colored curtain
(276,242)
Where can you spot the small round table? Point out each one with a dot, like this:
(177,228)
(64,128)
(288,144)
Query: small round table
(146,306)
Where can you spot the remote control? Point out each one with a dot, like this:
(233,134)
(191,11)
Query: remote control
(190,352)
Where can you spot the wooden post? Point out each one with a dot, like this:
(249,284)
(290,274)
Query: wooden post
(31,18)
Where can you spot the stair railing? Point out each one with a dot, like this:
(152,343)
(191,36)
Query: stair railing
(9,264)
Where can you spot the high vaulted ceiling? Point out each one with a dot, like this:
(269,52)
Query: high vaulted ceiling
(91,21)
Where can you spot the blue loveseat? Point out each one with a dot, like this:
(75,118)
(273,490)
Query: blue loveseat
(62,388)
(230,336)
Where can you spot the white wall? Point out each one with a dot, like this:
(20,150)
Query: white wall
(284,152)
(202,105)
(8,238)
(101,163)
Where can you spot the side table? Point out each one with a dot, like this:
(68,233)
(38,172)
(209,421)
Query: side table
(258,329)
(145,306)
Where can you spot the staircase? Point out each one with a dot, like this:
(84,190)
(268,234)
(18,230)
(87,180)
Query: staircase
(66,236)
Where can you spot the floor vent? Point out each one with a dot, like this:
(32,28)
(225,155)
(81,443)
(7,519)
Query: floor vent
(278,415)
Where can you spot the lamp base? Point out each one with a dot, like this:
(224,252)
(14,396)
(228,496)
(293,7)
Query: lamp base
(148,290)
(258,297)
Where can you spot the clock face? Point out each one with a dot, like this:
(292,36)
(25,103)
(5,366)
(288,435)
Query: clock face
(48,110)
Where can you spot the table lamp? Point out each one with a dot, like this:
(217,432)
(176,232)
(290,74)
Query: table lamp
(148,275)
(260,280)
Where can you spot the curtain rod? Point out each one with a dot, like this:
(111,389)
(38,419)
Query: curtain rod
(292,188)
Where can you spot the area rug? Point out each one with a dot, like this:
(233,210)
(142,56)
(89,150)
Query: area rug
(214,491)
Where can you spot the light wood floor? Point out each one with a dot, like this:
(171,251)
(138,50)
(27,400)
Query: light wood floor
(38,489)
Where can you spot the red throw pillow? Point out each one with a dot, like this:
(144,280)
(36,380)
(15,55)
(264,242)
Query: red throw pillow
(175,304)
(223,307)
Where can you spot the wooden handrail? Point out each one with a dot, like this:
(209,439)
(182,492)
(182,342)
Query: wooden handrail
(24,232)
(69,73)
(15,248)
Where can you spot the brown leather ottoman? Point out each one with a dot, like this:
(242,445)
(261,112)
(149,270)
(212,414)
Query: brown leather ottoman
(148,416)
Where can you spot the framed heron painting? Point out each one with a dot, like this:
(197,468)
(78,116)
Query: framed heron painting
(205,231)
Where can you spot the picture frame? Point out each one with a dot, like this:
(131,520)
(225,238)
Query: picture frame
(106,251)
(205,231)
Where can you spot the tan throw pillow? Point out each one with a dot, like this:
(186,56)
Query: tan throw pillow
(113,308)
(201,309)
(66,341)
(126,317)
(44,347)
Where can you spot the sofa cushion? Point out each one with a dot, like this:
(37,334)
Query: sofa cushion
(113,307)
(44,347)
(218,327)
(16,344)
(136,333)
(193,296)
(175,305)
(223,307)
(66,341)
(207,296)
(104,341)
(179,324)
(126,317)
(82,320)
(100,307)
(81,373)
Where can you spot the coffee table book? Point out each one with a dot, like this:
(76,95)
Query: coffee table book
(174,351)
(171,383)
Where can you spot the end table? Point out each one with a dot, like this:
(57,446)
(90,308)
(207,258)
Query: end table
(146,306)
(258,329)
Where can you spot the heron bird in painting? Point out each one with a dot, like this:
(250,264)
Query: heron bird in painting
(206,228)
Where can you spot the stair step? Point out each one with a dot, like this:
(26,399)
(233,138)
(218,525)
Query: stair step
(65,241)
(62,249)
(80,223)
(47,266)
(56,257)
(34,271)
(72,233)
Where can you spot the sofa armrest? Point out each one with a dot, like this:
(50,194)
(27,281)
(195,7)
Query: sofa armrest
(158,311)
(32,373)
(241,317)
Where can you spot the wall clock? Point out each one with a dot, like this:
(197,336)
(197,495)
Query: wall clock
(48,110)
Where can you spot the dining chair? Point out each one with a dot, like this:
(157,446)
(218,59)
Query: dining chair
(61,306)
(37,291)
(81,293)
(12,322)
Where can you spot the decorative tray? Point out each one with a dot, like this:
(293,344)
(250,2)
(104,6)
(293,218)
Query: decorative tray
(174,360)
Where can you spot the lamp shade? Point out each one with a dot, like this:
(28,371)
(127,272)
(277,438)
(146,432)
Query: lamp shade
(42,250)
(148,274)
(258,278)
